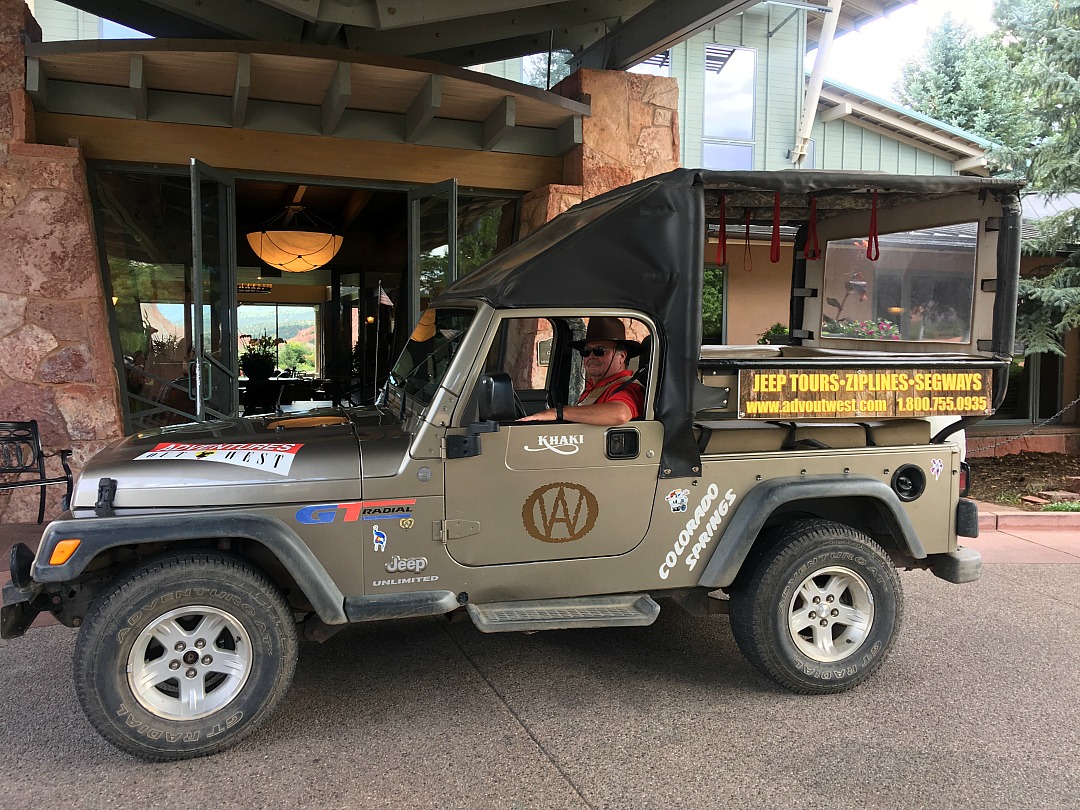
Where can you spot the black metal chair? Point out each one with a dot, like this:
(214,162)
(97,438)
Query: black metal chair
(21,454)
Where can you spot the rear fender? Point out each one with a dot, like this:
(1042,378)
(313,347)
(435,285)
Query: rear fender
(769,496)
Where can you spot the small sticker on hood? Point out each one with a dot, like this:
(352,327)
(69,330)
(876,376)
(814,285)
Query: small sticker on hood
(266,456)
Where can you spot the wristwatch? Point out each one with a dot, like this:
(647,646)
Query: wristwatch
(558,412)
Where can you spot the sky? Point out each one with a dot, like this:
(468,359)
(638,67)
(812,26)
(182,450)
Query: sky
(870,59)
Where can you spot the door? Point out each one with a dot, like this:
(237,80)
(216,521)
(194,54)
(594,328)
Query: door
(545,491)
(212,375)
(432,242)
(550,490)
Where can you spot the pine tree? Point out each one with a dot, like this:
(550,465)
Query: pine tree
(1043,41)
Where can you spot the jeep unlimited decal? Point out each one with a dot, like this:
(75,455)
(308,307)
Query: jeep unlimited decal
(357,510)
(692,525)
(265,456)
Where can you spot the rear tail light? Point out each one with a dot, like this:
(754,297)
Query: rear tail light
(965,479)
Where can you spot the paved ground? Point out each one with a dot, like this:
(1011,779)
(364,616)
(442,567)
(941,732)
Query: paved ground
(978,707)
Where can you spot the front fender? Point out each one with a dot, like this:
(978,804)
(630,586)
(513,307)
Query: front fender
(101,533)
(768,496)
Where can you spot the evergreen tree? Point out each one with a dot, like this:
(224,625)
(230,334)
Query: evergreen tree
(968,81)
(1043,41)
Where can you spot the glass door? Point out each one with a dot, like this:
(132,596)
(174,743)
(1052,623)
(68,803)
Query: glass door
(212,376)
(432,242)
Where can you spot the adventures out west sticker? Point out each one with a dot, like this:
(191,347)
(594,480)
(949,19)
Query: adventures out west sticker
(268,457)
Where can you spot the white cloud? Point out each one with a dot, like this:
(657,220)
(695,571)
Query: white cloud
(870,59)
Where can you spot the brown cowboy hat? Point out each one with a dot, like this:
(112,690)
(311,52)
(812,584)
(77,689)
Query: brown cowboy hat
(601,328)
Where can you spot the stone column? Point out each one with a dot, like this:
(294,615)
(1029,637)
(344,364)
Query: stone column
(633,133)
(57,363)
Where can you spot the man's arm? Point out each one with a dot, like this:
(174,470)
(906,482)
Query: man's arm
(600,413)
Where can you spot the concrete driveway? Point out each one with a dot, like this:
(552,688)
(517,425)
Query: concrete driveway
(979,706)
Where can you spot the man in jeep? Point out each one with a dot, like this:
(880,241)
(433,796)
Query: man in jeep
(611,395)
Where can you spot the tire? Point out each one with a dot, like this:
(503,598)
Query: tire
(185,657)
(780,628)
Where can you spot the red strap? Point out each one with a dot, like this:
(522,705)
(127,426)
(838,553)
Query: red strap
(747,259)
(774,249)
(721,243)
(813,251)
(873,250)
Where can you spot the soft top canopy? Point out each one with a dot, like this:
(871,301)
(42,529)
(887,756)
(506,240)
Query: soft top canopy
(642,247)
(835,192)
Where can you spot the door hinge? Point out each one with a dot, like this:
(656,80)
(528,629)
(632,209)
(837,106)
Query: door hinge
(444,530)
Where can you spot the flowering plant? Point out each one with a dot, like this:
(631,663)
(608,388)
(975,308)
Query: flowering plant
(866,330)
(259,355)
(261,346)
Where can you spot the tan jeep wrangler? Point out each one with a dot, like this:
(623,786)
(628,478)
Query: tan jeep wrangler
(782,484)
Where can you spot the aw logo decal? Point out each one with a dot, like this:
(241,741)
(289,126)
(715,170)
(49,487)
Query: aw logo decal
(937,466)
(560,513)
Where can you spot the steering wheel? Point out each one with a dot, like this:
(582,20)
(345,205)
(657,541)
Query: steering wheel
(519,408)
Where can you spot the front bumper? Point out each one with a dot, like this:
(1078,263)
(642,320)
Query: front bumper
(18,611)
(22,596)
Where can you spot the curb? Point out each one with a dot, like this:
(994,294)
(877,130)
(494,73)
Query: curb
(993,520)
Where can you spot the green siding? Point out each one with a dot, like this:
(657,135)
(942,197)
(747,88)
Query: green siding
(846,146)
(778,90)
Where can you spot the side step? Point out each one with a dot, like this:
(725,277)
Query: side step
(626,610)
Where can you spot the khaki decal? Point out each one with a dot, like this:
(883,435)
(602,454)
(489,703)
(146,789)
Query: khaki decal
(559,513)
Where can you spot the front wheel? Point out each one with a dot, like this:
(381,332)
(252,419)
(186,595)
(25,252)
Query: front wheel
(820,610)
(186,656)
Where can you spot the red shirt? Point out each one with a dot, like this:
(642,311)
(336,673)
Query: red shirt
(633,395)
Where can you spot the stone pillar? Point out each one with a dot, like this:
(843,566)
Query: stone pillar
(57,363)
(633,133)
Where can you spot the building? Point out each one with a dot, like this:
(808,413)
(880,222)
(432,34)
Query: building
(140,177)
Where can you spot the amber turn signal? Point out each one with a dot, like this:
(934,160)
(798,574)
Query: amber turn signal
(62,551)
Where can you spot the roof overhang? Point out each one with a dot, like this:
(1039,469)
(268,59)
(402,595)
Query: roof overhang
(608,34)
(967,153)
(300,89)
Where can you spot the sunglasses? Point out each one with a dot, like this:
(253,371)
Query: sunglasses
(597,351)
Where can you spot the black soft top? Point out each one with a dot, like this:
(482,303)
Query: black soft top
(641,247)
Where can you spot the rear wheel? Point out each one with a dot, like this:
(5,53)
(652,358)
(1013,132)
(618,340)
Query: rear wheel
(184,657)
(820,610)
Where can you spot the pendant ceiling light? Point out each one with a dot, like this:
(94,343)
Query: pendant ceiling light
(286,243)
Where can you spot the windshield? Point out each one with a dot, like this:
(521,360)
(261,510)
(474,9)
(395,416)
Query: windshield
(423,364)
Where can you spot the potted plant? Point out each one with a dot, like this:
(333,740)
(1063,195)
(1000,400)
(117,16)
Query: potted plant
(259,356)
(777,333)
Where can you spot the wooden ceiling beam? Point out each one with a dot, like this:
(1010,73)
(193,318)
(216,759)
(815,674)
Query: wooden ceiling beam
(337,98)
(499,124)
(423,108)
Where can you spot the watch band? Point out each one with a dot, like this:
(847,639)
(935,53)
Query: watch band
(559,412)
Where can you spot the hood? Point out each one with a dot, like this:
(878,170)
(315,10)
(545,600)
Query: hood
(261,460)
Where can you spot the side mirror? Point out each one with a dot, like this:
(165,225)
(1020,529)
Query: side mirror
(496,402)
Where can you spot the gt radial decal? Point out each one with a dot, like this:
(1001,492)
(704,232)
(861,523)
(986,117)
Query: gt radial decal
(356,510)
(560,513)
(268,457)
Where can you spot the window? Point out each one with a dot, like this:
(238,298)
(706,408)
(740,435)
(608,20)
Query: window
(712,305)
(295,326)
(920,289)
(422,365)
(656,65)
(1034,391)
(728,124)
